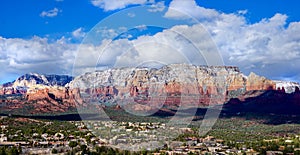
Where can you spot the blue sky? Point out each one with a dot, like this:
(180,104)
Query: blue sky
(21,18)
(248,33)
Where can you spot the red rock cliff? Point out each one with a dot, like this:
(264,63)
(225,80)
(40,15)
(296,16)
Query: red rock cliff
(172,84)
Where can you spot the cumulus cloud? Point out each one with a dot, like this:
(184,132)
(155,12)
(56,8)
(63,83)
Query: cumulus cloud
(19,56)
(242,12)
(270,47)
(182,9)
(130,14)
(175,45)
(109,5)
(267,47)
(50,13)
(157,7)
(141,27)
(78,33)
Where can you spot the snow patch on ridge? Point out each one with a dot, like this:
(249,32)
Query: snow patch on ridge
(289,87)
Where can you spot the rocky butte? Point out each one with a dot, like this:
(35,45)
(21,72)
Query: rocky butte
(171,85)
(39,94)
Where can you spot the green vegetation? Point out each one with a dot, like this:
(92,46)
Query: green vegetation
(123,116)
(10,150)
(104,150)
(28,127)
(241,130)
(239,133)
(234,132)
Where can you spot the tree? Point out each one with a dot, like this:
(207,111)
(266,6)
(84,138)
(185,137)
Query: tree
(73,144)
(297,144)
(13,151)
(262,151)
(111,151)
(2,151)
(144,152)
(288,150)
(101,149)
(54,151)
(191,153)
(83,149)
(126,152)
(273,146)
(297,152)
(20,149)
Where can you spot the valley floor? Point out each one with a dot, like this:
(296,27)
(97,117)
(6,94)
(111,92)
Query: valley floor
(233,135)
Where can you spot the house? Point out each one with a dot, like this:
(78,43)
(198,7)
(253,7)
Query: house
(185,130)
(274,153)
(14,143)
(44,136)
(214,149)
(3,138)
(288,141)
(3,127)
(59,136)
(281,148)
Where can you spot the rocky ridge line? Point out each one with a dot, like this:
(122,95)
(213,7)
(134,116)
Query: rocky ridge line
(170,85)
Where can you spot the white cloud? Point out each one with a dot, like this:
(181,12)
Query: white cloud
(50,13)
(78,33)
(157,7)
(130,14)
(267,47)
(107,33)
(242,12)
(182,9)
(109,5)
(19,56)
(270,47)
(141,27)
(169,46)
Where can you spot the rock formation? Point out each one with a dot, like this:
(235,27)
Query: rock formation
(255,82)
(34,79)
(46,93)
(32,82)
(172,84)
(288,87)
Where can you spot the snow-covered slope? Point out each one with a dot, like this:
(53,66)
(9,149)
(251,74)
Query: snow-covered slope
(289,87)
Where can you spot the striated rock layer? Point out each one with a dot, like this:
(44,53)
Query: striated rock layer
(176,84)
(32,82)
(40,94)
(139,88)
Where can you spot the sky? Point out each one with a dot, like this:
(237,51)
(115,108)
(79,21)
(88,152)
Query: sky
(73,37)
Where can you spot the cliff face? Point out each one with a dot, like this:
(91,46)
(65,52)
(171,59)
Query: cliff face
(255,82)
(34,79)
(173,84)
(287,87)
(42,93)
